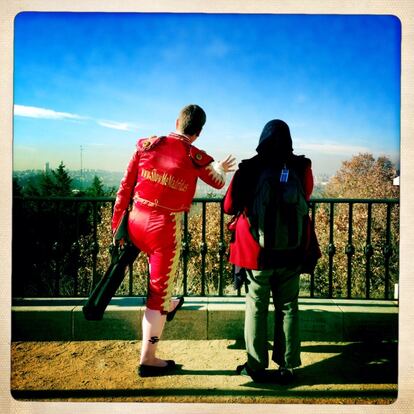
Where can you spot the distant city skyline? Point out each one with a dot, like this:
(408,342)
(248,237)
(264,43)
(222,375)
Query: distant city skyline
(102,80)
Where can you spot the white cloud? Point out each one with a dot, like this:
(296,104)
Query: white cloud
(42,113)
(122,126)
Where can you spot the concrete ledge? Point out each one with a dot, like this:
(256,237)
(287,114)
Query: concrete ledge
(62,319)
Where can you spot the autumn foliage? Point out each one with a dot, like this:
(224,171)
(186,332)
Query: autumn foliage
(366,249)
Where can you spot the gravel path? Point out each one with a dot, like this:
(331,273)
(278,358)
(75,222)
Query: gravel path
(340,373)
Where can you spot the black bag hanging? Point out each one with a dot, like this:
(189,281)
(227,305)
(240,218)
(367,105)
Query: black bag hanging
(122,255)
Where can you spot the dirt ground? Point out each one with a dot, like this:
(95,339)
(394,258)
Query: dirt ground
(343,373)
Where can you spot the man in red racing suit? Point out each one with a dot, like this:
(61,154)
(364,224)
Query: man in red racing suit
(161,180)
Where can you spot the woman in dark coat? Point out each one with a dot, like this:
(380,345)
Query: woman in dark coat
(266,273)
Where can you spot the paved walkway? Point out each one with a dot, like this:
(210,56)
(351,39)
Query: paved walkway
(332,372)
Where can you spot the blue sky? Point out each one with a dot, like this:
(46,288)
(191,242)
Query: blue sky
(102,80)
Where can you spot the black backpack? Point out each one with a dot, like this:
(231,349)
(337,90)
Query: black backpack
(279,209)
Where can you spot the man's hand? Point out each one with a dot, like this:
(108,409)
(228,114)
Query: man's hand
(228,164)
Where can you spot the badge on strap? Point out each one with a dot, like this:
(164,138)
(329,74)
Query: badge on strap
(284,175)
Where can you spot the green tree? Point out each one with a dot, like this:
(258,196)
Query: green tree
(62,182)
(48,184)
(17,188)
(34,185)
(96,189)
(57,235)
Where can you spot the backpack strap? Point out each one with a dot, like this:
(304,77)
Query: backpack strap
(300,163)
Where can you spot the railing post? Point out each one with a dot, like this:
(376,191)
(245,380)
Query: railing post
(95,245)
(349,251)
(331,248)
(312,276)
(130,279)
(222,250)
(203,249)
(57,252)
(369,251)
(75,252)
(387,253)
(185,251)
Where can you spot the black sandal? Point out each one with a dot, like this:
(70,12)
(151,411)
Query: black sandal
(153,371)
(170,315)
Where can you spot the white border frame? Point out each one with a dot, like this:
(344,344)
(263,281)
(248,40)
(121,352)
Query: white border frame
(403,9)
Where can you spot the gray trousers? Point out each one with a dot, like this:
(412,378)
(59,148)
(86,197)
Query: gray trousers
(283,283)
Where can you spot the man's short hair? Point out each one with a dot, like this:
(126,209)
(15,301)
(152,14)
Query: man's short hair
(191,119)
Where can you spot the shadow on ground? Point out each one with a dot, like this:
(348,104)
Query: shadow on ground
(342,373)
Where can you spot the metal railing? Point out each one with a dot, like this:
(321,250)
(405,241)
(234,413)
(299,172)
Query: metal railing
(387,248)
(73,253)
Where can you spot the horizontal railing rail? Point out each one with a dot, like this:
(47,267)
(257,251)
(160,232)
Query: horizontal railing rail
(64,238)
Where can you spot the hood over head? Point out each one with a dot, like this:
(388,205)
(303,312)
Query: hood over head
(275,140)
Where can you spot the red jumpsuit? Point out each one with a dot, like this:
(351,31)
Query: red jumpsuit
(161,179)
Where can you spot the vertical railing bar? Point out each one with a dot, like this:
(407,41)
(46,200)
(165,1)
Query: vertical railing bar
(77,251)
(95,245)
(387,252)
(130,266)
(130,270)
(147,275)
(331,249)
(185,254)
(350,250)
(312,276)
(368,252)
(203,250)
(233,269)
(222,248)
(58,250)
(131,279)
